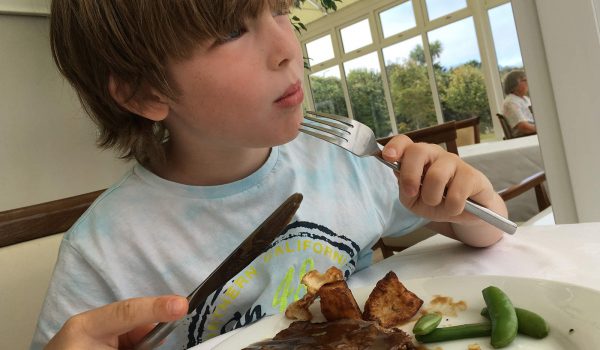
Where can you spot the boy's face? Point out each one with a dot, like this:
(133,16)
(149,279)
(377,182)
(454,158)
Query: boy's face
(245,92)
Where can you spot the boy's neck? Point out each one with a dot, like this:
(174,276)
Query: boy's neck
(210,168)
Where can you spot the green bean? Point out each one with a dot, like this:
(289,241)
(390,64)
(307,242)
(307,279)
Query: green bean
(530,323)
(502,315)
(463,331)
(427,323)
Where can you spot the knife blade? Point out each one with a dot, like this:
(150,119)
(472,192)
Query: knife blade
(239,259)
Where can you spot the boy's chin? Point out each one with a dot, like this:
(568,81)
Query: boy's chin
(287,137)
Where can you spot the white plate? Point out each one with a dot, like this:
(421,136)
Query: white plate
(573,312)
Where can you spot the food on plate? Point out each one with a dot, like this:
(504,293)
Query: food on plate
(337,302)
(530,323)
(502,330)
(427,323)
(463,331)
(298,310)
(390,303)
(502,315)
(313,280)
(340,334)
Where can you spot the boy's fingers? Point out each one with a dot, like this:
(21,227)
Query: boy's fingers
(394,149)
(123,316)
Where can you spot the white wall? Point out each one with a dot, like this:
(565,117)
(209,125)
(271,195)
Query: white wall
(47,145)
(561,50)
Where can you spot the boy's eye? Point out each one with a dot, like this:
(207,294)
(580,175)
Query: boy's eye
(234,34)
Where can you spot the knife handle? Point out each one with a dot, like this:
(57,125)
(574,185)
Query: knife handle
(158,333)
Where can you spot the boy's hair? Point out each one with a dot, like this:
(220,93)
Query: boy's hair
(133,40)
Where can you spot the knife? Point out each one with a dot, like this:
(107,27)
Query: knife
(254,245)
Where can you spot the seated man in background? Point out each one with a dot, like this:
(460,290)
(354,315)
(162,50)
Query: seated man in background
(517,106)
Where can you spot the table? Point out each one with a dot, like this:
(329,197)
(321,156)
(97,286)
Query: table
(554,252)
(507,163)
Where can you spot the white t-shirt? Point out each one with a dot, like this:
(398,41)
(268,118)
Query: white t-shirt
(517,109)
(148,236)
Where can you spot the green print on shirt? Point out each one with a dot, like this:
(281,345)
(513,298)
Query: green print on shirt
(280,299)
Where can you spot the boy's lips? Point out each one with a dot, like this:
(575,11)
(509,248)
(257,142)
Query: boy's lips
(293,96)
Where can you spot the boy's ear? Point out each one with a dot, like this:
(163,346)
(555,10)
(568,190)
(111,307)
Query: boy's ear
(147,103)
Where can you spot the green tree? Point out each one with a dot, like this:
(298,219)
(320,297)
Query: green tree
(411,95)
(368,100)
(418,54)
(466,96)
(328,95)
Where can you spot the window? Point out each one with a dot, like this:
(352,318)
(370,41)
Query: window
(439,8)
(397,19)
(319,50)
(356,36)
(409,85)
(401,65)
(506,42)
(327,92)
(366,93)
(457,68)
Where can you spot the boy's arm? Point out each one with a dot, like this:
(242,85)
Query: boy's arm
(435,184)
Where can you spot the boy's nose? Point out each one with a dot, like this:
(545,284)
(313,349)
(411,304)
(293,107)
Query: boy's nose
(281,45)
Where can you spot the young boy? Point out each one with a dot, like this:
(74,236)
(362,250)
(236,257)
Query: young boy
(206,96)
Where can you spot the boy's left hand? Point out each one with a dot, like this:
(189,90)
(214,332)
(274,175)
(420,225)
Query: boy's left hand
(119,325)
(428,173)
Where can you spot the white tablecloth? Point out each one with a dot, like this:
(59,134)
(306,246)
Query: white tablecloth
(507,163)
(567,253)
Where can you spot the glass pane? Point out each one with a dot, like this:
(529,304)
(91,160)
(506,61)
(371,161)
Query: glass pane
(326,87)
(319,50)
(409,85)
(457,68)
(506,41)
(439,8)
(367,99)
(397,19)
(356,36)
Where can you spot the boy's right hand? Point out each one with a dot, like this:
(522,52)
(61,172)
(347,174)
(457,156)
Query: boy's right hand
(119,325)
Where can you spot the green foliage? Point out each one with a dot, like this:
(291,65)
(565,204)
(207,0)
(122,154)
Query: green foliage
(328,95)
(368,100)
(411,95)
(465,94)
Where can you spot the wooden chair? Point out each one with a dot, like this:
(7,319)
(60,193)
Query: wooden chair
(464,136)
(442,134)
(535,181)
(508,134)
(29,242)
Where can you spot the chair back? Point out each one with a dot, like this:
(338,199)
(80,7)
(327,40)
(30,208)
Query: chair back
(467,131)
(29,241)
(505,127)
(442,134)
(535,181)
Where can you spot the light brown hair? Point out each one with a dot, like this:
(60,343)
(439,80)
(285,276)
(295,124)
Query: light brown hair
(133,40)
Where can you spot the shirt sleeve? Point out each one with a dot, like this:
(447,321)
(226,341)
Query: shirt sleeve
(71,275)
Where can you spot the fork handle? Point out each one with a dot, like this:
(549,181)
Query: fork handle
(481,212)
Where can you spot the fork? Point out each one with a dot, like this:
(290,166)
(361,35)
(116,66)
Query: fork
(358,139)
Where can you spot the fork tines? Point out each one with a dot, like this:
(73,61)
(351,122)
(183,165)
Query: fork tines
(328,127)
